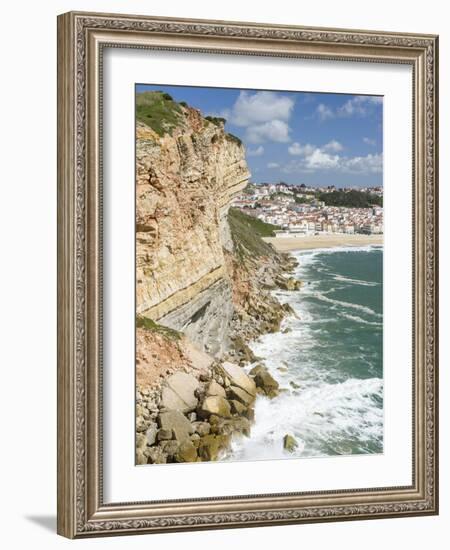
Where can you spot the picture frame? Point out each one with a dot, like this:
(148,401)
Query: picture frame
(82,41)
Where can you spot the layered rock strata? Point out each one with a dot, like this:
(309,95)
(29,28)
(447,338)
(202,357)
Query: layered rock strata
(185,181)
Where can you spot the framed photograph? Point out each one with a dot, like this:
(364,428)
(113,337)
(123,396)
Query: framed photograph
(247,277)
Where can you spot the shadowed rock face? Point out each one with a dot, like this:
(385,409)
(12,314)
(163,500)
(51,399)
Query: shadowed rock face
(185,181)
(205,317)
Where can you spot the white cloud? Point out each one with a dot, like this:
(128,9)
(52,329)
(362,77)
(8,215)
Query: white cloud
(273,165)
(319,160)
(369,141)
(333,146)
(274,130)
(312,159)
(359,105)
(261,107)
(298,149)
(370,164)
(257,152)
(324,112)
(264,115)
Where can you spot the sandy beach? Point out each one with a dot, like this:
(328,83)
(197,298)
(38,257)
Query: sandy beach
(285,244)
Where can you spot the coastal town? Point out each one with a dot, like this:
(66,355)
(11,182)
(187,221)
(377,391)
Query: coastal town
(300,210)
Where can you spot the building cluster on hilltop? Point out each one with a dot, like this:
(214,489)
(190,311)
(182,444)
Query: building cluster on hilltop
(298,211)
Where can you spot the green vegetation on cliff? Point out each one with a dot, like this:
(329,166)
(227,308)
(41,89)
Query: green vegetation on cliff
(158,110)
(235,139)
(149,324)
(247,233)
(217,120)
(162,113)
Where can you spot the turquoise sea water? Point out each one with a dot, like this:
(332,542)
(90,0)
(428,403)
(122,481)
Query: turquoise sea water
(328,361)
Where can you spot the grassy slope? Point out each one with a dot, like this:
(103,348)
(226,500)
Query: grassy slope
(247,233)
(158,110)
(149,324)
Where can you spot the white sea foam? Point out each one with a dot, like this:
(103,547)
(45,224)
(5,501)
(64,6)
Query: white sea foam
(326,410)
(365,309)
(316,417)
(360,320)
(354,281)
(332,250)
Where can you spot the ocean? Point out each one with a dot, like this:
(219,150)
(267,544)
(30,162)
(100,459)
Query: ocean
(328,361)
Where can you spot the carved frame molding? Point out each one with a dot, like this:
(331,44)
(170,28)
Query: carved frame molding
(81,39)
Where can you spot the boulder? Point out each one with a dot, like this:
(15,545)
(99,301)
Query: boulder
(214,419)
(245,353)
(192,417)
(216,405)
(156,455)
(257,369)
(238,377)
(250,414)
(151,433)
(211,445)
(141,424)
(178,392)
(140,410)
(141,441)
(215,389)
(177,423)
(241,424)
(238,394)
(141,457)
(237,407)
(164,434)
(170,448)
(232,425)
(202,428)
(187,452)
(289,443)
(266,382)
(289,283)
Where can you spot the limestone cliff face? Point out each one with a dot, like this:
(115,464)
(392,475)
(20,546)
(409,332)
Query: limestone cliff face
(185,180)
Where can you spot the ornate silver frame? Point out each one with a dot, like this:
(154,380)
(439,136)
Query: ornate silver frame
(81,39)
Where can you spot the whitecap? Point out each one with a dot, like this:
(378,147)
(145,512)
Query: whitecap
(353,281)
(365,309)
(360,320)
(321,418)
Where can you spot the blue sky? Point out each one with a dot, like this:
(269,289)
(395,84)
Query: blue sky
(298,137)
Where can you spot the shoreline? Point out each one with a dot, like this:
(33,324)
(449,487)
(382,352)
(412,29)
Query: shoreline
(290,385)
(290,244)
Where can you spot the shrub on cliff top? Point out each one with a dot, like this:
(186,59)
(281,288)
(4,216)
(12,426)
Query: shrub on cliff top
(233,138)
(217,120)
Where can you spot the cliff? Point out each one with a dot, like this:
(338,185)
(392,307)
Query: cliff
(187,173)
(203,286)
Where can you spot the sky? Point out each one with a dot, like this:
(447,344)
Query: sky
(318,139)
